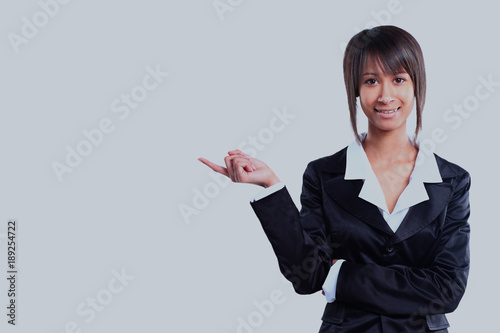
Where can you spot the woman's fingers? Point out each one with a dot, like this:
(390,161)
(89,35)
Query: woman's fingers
(236,152)
(213,166)
(229,167)
(241,166)
(238,166)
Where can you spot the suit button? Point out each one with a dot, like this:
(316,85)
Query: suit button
(389,249)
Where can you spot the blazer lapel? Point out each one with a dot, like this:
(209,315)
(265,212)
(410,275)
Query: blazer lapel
(345,193)
(424,213)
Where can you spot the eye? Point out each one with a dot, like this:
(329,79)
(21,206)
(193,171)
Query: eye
(399,80)
(371,81)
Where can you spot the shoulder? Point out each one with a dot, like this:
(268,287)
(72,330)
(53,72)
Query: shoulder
(452,173)
(334,163)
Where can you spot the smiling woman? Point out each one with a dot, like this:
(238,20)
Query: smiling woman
(385,238)
(389,53)
(387,100)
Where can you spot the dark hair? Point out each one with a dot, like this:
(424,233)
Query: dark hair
(395,50)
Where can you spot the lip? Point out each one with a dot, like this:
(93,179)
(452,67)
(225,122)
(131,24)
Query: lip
(384,113)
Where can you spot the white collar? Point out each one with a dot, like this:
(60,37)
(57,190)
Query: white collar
(424,171)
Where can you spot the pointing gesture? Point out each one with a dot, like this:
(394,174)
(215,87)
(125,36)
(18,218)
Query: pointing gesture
(241,168)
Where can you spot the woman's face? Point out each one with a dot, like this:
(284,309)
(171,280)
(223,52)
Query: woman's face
(387,100)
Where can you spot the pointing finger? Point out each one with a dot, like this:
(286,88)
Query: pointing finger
(213,166)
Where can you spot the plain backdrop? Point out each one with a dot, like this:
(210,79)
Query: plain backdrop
(140,205)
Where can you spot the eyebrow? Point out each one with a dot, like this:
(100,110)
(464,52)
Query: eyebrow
(377,73)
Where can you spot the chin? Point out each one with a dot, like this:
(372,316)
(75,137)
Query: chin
(387,127)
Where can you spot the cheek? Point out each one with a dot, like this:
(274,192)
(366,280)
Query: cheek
(366,96)
(408,95)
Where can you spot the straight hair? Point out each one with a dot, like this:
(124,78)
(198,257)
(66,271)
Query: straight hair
(395,51)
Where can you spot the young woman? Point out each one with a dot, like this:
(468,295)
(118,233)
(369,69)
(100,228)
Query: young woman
(383,228)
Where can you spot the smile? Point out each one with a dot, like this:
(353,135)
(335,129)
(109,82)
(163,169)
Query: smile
(387,111)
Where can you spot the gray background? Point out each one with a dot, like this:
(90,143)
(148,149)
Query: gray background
(120,208)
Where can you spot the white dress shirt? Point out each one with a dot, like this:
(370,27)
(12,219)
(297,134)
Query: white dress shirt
(358,167)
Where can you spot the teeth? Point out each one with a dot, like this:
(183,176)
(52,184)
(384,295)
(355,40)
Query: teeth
(390,111)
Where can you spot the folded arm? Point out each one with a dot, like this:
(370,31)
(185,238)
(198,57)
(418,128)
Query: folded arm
(399,289)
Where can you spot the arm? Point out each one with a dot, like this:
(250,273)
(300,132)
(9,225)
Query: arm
(267,191)
(298,238)
(399,289)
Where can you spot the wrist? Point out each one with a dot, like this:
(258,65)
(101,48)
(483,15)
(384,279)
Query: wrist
(271,182)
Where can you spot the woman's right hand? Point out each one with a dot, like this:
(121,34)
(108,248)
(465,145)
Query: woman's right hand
(242,168)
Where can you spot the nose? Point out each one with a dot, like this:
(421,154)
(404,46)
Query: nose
(386,94)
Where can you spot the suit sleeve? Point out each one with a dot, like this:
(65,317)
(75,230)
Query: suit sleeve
(267,191)
(298,238)
(403,290)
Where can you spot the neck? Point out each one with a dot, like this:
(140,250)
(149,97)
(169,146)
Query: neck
(389,145)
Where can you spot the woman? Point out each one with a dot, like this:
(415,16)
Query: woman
(383,227)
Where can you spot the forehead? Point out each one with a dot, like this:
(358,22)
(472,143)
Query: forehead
(381,66)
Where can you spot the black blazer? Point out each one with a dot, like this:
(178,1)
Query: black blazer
(390,282)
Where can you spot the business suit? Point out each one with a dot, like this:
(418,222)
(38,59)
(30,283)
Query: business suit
(401,281)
